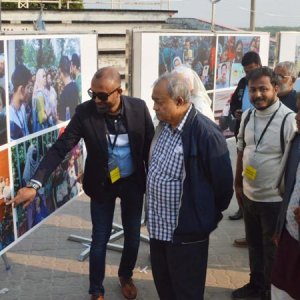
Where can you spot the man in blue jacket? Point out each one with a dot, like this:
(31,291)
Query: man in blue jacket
(189,184)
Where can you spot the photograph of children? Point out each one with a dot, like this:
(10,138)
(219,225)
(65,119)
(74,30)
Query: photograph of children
(63,184)
(222,114)
(231,50)
(193,52)
(3,129)
(6,217)
(45,83)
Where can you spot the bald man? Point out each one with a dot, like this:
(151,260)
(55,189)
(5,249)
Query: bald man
(117,131)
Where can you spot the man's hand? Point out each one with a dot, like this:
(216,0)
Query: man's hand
(25,195)
(297,214)
(239,194)
(238,114)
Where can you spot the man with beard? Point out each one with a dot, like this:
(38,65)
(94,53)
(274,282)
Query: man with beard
(258,160)
(287,73)
(238,103)
(117,131)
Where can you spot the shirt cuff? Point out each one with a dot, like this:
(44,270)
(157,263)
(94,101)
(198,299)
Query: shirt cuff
(37,182)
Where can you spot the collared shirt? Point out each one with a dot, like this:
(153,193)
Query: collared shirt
(164,182)
(118,143)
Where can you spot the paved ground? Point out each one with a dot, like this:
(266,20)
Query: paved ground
(44,265)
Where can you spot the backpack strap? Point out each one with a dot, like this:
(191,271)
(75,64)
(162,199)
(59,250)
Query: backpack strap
(245,124)
(282,143)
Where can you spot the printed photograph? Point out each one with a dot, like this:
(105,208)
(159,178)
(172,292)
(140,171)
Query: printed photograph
(222,113)
(3,129)
(63,184)
(6,216)
(45,83)
(230,50)
(181,53)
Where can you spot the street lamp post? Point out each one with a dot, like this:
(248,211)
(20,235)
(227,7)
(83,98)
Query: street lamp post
(213,3)
(252,15)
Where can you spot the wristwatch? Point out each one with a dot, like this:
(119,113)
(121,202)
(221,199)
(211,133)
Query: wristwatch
(34,185)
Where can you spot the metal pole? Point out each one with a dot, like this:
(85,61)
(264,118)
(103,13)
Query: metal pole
(252,15)
(213,16)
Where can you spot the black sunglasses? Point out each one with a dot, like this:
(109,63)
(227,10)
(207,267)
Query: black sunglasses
(101,95)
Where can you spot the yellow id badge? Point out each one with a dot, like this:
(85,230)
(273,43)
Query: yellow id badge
(115,174)
(250,172)
(114,171)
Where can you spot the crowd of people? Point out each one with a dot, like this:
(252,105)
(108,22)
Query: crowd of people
(194,52)
(45,98)
(184,168)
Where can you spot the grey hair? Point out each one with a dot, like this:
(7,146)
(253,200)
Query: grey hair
(290,67)
(177,86)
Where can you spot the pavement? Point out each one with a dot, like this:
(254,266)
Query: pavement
(45,266)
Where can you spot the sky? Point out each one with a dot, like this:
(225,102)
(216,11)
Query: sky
(236,13)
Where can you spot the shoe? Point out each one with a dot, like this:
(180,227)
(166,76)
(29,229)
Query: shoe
(129,291)
(237,216)
(242,243)
(97,297)
(246,291)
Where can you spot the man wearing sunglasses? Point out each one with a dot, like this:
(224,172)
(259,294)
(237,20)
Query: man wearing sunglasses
(117,131)
(287,73)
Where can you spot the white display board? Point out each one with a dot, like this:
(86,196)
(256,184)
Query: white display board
(289,50)
(42,79)
(215,57)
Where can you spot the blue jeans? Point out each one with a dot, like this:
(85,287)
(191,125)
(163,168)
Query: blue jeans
(102,212)
(179,270)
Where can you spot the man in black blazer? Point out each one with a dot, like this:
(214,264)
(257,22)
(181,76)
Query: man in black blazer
(117,131)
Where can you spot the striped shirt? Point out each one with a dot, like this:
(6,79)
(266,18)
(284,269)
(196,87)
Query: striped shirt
(164,182)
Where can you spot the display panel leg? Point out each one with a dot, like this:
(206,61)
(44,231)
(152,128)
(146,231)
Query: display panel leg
(6,263)
(116,233)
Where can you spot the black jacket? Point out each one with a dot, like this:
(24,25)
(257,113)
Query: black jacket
(90,125)
(207,178)
(236,101)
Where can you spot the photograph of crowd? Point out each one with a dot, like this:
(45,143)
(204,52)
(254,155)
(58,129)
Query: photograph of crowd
(3,129)
(6,217)
(189,52)
(230,51)
(222,114)
(44,83)
(63,184)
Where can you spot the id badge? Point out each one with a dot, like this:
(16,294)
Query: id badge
(114,171)
(250,172)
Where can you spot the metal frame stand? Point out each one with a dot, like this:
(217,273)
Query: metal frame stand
(6,263)
(116,233)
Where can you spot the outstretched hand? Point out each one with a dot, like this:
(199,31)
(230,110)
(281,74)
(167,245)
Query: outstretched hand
(24,195)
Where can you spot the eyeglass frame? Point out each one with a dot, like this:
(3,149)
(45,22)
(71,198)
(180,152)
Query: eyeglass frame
(101,95)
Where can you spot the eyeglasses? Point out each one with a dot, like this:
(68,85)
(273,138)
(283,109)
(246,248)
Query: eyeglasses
(101,95)
(281,77)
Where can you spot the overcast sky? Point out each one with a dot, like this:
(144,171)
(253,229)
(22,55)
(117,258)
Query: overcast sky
(236,13)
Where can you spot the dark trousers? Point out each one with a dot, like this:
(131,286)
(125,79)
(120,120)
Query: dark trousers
(179,271)
(102,212)
(260,223)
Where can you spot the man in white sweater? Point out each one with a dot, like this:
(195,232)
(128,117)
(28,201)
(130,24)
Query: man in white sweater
(262,137)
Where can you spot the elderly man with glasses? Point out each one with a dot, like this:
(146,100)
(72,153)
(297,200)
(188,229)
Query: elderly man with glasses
(117,131)
(287,73)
